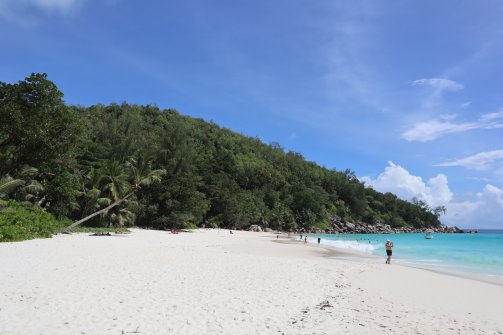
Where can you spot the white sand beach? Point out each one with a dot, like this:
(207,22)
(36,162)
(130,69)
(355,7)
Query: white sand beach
(213,282)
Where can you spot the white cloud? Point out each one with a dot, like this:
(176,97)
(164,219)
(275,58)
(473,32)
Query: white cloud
(466,104)
(432,129)
(483,211)
(481,161)
(349,75)
(439,85)
(498,172)
(492,117)
(436,88)
(59,5)
(28,13)
(397,180)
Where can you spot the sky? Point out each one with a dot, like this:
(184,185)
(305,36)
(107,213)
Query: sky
(407,94)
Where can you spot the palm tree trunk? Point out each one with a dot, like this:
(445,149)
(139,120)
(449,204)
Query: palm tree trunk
(76,223)
(41,201)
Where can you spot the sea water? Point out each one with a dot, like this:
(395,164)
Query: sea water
(480,253)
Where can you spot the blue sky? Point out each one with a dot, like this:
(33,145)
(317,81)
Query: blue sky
(405,93)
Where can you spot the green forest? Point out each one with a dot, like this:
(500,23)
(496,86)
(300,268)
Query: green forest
(131,165)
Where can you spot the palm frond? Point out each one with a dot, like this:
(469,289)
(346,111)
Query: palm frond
(9,184)
(93,193)
(94,177)
(125,217)
(29,197)
(141,173)
(28,171)
(154,176)
(34,187)
(103,201)
(115,179)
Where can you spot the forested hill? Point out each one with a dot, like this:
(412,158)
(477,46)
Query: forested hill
(165,170)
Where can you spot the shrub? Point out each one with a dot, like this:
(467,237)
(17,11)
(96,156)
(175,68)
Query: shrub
(18,223)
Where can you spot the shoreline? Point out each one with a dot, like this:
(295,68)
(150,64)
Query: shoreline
(213,282)
(365,257)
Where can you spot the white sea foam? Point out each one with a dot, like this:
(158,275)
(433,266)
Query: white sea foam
(353,245)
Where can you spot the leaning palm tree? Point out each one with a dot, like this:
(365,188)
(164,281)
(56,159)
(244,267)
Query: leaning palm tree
(116,183)
(141,173)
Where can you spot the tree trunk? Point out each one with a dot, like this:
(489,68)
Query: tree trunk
(76,223)
(41,201)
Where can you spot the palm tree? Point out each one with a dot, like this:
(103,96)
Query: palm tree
(141,173)
(8,185)
(116,184)
(30,193)
(91,196)
(27,189)
(123,217)
(115,180)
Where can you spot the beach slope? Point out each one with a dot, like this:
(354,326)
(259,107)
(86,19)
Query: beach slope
(213,282)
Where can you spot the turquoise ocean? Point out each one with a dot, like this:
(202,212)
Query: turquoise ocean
(480,253)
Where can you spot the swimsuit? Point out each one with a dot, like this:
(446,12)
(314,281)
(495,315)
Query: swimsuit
(389,248)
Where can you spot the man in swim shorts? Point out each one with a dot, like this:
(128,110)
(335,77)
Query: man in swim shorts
(389,251)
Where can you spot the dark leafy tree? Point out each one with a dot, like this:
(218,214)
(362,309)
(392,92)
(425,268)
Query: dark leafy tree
(126,164)
(37,128)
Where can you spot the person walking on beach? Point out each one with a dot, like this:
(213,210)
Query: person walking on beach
(319,240)
(389,251)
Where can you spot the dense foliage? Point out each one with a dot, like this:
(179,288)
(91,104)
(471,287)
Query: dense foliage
(18,223)
(156,168)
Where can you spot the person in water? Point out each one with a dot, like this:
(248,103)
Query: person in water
(389,251)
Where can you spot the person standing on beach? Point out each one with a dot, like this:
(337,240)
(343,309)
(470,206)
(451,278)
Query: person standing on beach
(389,251)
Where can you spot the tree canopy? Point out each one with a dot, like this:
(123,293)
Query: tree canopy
(176,171)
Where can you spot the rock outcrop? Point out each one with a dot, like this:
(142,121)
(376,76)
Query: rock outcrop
(340,226)
(255,228)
